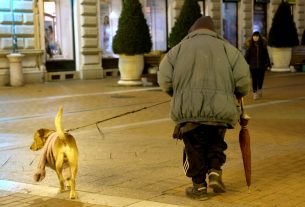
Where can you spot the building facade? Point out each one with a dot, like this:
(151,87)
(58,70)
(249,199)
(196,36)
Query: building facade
(70,39)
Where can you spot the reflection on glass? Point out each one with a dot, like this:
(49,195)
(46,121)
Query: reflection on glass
(105,29)
(155,12)
(109,17)
(229,11)
(51,42)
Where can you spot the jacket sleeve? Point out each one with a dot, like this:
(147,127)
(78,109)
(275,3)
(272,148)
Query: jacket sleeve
(165,75)
(241,75)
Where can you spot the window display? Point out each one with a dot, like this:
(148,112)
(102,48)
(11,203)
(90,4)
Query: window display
(155,12)
(105,29)
(58,18)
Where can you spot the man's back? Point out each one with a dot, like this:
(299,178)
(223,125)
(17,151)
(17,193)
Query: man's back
(205,71)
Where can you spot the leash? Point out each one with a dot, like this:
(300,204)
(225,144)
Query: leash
(117,116)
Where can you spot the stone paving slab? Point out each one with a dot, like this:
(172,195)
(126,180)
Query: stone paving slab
(136,158)
(9,199)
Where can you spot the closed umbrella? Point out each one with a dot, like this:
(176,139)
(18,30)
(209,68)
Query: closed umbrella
(244,142)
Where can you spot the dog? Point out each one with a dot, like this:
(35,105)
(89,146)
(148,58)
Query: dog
(59,153)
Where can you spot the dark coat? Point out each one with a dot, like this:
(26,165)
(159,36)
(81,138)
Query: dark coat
(257,56)
(205,73)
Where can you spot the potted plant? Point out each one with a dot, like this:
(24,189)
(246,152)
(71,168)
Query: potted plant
(189,13)
(131,41)
(282,37)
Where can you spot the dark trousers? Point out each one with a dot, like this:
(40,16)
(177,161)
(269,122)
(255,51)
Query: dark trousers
(258,76)
(204,150)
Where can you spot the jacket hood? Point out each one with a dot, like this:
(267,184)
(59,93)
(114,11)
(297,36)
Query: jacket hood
(204,22)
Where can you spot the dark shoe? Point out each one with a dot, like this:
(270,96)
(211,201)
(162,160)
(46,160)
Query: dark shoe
(198,192)
(215,181)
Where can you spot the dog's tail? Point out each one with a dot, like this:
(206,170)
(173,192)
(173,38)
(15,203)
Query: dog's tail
(58,125)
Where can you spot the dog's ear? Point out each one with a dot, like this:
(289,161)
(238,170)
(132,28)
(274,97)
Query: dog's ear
(44,133)
(40,132)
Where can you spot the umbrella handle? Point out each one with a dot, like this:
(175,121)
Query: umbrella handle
(244,115)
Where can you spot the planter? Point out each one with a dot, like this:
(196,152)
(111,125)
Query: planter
(131,68)
(16,73)
(281,59)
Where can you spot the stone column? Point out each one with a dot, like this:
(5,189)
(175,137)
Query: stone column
(16,73)
(214,10)
(89,55)
(245,22)
(300,17)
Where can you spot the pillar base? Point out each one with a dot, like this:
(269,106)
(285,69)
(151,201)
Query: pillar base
(16,73)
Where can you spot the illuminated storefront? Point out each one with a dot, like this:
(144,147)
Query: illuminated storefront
(63,39)
(59,38)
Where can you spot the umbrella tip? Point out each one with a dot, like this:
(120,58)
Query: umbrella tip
(249,191)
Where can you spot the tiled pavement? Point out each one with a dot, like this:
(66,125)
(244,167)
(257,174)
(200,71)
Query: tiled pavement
(135,162)
(9,199)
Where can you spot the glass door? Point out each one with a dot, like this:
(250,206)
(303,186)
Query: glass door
(229,21)
(155,13)
(59,35)
(260,18)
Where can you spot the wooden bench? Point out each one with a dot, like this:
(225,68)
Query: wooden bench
(298,57)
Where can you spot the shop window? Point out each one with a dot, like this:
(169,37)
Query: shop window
(109,17)
(229,20)
(260,18)
(105,29)
(58,29)
(155,13)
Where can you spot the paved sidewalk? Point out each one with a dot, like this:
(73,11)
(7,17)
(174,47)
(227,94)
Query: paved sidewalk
(9,199)
(135,162)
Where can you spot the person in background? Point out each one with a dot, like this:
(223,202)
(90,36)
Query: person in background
(205,76)
(48,50)
(258,59)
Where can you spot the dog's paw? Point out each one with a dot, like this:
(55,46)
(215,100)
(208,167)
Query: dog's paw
(68,184)
(38,177)
(61,190)
(72,195)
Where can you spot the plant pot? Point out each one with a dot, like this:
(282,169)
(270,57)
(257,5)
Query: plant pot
(281,59)
(131,68)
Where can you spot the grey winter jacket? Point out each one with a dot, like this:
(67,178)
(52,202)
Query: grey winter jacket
(204,74)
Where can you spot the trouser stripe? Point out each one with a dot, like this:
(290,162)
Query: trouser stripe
(186,164)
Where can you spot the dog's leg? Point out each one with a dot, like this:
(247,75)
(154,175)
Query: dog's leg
(59,168)
(72,182)
(73,160)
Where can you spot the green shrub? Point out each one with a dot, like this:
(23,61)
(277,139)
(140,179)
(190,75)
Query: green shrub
(133,36)
(283,32)
(190,12)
